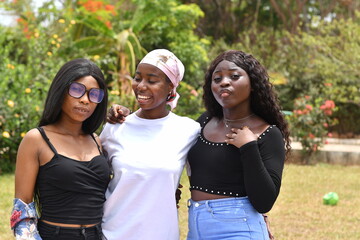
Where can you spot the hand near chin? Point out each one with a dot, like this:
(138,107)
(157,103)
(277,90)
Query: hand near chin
(240,136)
(117,114)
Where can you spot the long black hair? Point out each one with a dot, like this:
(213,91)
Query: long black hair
(263,99)
(68,73)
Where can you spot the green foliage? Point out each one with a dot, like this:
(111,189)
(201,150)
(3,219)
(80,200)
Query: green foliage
(190,102)
(35,48)
(321,62)
(326,58)
(26,73)
(174,29)
(348,115)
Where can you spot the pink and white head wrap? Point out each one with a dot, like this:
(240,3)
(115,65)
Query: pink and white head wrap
(169,64)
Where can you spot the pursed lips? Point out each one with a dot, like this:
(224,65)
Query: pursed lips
(224,92)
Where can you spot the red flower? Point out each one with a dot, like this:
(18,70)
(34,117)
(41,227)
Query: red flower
(108,24)
(309,107)
(299,112)
(329,104)
(92,6)
(328,112)
(194,92)
(110,8)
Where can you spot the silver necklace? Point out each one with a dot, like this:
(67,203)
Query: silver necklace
(227,121)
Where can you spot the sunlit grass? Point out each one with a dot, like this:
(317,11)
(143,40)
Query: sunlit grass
(6,200)
(298,213)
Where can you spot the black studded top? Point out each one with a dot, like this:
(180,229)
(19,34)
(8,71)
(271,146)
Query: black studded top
(253,170)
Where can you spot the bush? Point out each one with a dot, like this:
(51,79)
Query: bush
(40,43)
(26,70)
(310,122)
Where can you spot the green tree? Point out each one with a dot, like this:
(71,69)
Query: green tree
(26,68)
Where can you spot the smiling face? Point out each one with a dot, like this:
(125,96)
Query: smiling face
(151,89)
(230,85)
(79,109)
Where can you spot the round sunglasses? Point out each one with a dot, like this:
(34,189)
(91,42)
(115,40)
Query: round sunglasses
(77,90)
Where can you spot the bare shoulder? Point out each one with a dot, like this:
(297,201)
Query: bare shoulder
(32,135)
(32,139)
(30,148)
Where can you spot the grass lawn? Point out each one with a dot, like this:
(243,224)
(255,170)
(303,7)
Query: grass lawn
(298,213)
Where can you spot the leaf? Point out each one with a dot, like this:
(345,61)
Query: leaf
(98,26)
(138,23)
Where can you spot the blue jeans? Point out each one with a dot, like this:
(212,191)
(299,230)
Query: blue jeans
(227,218)
(51,232)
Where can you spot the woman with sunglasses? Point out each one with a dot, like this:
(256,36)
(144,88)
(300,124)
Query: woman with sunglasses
(61,173)
(148,153)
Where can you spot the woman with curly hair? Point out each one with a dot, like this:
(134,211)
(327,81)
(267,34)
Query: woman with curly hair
(236,165)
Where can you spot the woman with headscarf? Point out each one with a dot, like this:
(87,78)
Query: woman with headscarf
(148,153)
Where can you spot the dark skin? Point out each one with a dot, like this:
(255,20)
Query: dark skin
(150,89)
(231,88)
(67,137)
(213,131)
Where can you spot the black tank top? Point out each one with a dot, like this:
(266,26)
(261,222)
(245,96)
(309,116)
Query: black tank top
(72,191)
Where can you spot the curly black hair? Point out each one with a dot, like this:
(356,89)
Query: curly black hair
(263,99)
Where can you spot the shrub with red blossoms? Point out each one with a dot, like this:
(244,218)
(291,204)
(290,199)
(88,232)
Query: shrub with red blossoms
(99,9)
(328,107)
(310,122)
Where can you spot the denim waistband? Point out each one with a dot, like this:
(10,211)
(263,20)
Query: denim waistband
(219,202)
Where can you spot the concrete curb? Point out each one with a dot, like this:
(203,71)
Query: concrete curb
(337,151)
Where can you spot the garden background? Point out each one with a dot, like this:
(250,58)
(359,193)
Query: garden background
(310,48)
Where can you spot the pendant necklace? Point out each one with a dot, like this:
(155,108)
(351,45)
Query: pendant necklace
(227,121)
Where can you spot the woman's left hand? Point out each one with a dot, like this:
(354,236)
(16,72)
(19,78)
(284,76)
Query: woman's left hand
(240,136)
(178,195)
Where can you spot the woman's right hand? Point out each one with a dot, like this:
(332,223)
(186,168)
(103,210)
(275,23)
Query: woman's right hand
(117,114)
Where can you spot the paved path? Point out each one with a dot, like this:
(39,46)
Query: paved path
(336,151)
(335,145)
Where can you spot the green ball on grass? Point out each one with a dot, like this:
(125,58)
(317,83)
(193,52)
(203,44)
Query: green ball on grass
(331,198)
